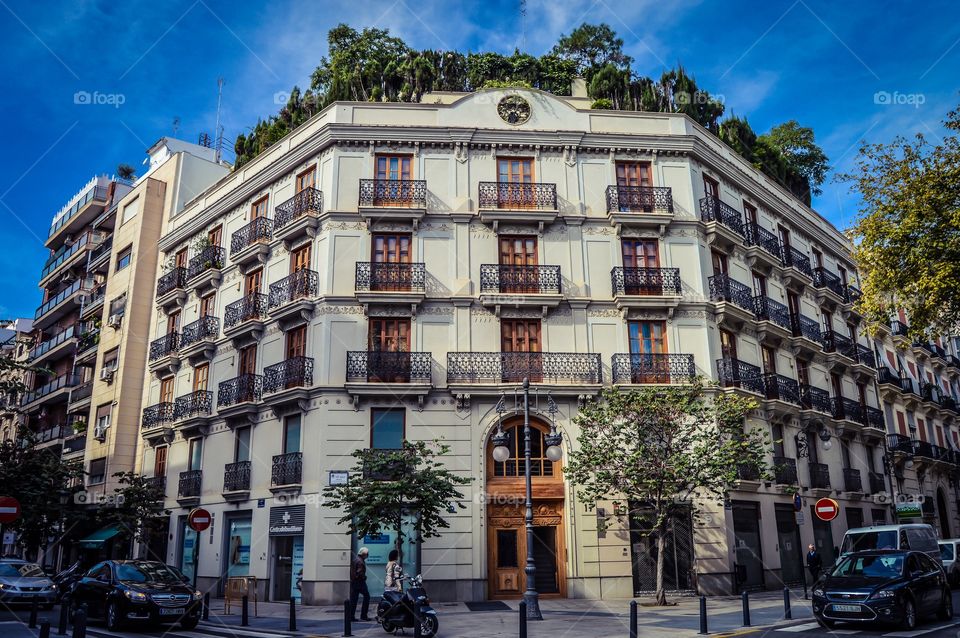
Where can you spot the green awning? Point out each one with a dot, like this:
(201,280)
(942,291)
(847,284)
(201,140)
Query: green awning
(99,537)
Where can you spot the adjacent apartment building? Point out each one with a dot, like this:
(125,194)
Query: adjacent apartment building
(15,343)
(393,271)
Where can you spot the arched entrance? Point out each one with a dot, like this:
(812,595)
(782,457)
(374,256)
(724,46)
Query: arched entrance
(506,531)
(943,514)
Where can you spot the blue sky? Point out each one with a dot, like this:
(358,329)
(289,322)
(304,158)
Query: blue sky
(821,63)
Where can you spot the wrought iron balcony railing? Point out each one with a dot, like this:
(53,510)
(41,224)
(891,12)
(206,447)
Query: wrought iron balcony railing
(236,476)
(165,345)
(899,443)
(833,341)
(653,368)
(784,470)
(296,372)
(878,483)
(645,281)
(68,380)
(510,195)
(953,361)
(853,294)
(171,281)
(724,288)
(793,258)
(866,357)
(734,373)
(512,367)
(258,230)
(508,279)
(252,307)
(199,403)
(190,482)
(389,367)
(851,480)
(767,309)
(780,388)
(887,376)
(875,418)
(158,484)
(639,199)
(819,476)
(210,258)
(309,201)
(848,410)
(712,209)
(762,238)
(390,277)
(203,328)
(813,398)
(393,193)
(246,388)
(302,284)
(287,469)
(747,472)
(898,328)
(803,326)
(157,415)
(823,278)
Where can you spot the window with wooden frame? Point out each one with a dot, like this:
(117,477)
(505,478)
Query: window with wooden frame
(389,334)
(390,253)
(759,284)
(769,356)
(518,261)
(296,342)
(306,179)
(719,262)
(514,466)
(173,322)
(750,213)
(520,345)
(247,360)
(166,389)
(201,376)
(160,461)
(208,306)
(180,259)
(784,235)
(300,258)
(647,341)
(259,208)
(711,187)
(631,177)
(728,344)
(515,176)
(803,372)
(253,282)
(215,236)
(641,263)
(392,184)
(817,258)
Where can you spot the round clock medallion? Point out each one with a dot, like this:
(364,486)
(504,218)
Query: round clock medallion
(513,109)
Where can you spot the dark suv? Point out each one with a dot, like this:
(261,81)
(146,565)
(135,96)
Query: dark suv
(141,591)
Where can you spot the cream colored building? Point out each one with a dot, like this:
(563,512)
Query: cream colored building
(394,270)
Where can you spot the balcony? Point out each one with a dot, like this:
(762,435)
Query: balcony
(748,477)
(891,383)
(806,334)
(298,217)
(204,270)
(878,484)
(852,294)
(734,299)
(80,397)
(99,260)
(287,472)
(724,222)
(828,285)
(851,481)
(390,283)
(87,341)
(899,329)
(74,445)
(774,318)
(640,207)
(250,245)
(798,271)
(813,398)
(198,339)
(94,302)
(237,398)
(780,388)
(875,418)
(520,286)
(837,344)
(163,356)
(646,287)
(849,411)
(156,423)
(953,362)
(91,204)
(56,390)
(68,299)
(518,203)
(734,373)
(243,320)
(819,476)
(291,298)
(190,412)
(763,247)
(157,484)
(638,368)
(51,434)
(495,372)
(393,200)
(171,291)
(61,344)
(899,443)
(288,382)
(66,259)
(188,491)
(236,481)
(784,470)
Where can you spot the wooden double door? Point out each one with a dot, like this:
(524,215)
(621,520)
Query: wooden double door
(507,542)
(518,265)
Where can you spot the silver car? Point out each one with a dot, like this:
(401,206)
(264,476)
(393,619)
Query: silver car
(949,549)
(23,582)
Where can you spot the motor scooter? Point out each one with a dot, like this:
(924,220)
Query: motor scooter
(401,609)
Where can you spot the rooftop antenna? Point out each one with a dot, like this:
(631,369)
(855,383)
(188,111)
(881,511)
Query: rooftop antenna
(217,130)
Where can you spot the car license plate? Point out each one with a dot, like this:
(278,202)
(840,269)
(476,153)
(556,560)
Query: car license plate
(172,611)
(853,608)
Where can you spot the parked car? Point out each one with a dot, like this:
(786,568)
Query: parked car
(915,536)
(24,582)
(136,591)
(948,556)
(889,586)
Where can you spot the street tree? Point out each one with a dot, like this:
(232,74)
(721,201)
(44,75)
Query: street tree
(907,234)
(388,486)
(136,504)
(660,449)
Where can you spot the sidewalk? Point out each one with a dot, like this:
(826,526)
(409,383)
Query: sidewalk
(562,618)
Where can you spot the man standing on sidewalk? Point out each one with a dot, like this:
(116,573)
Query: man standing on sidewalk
(814,562)
(358,585)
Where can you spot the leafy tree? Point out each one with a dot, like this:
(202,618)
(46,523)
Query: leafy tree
(387,485)
(803,157)
(907,235)
(660,448)
(136,502)
(591,47)
(125,171)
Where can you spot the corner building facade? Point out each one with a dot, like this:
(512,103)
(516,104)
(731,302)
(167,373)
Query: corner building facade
(393,271)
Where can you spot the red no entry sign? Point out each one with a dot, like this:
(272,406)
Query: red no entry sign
(198,519)
(826,509)
(9,509)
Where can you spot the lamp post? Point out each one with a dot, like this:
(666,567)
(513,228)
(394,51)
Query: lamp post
(553,452)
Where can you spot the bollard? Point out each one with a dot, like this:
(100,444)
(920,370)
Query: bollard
(64,616)
(34,606)
(292,625)
(347,618)
(746,608)
(45,629)
(523,619)
(633,619)
(206,606)
(787,615)
(245,612)
(80,623)
(703,616)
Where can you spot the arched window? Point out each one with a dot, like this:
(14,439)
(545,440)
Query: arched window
(540,465)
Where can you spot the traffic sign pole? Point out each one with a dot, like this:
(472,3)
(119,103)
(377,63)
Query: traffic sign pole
(198,520)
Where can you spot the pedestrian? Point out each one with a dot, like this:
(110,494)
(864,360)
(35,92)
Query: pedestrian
(394,571)
(814,562)
(358,585)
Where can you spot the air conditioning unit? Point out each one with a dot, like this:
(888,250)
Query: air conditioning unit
(106,374)
(99,433)
(114,321)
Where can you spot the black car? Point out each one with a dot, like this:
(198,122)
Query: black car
(890,586)
(136,591)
